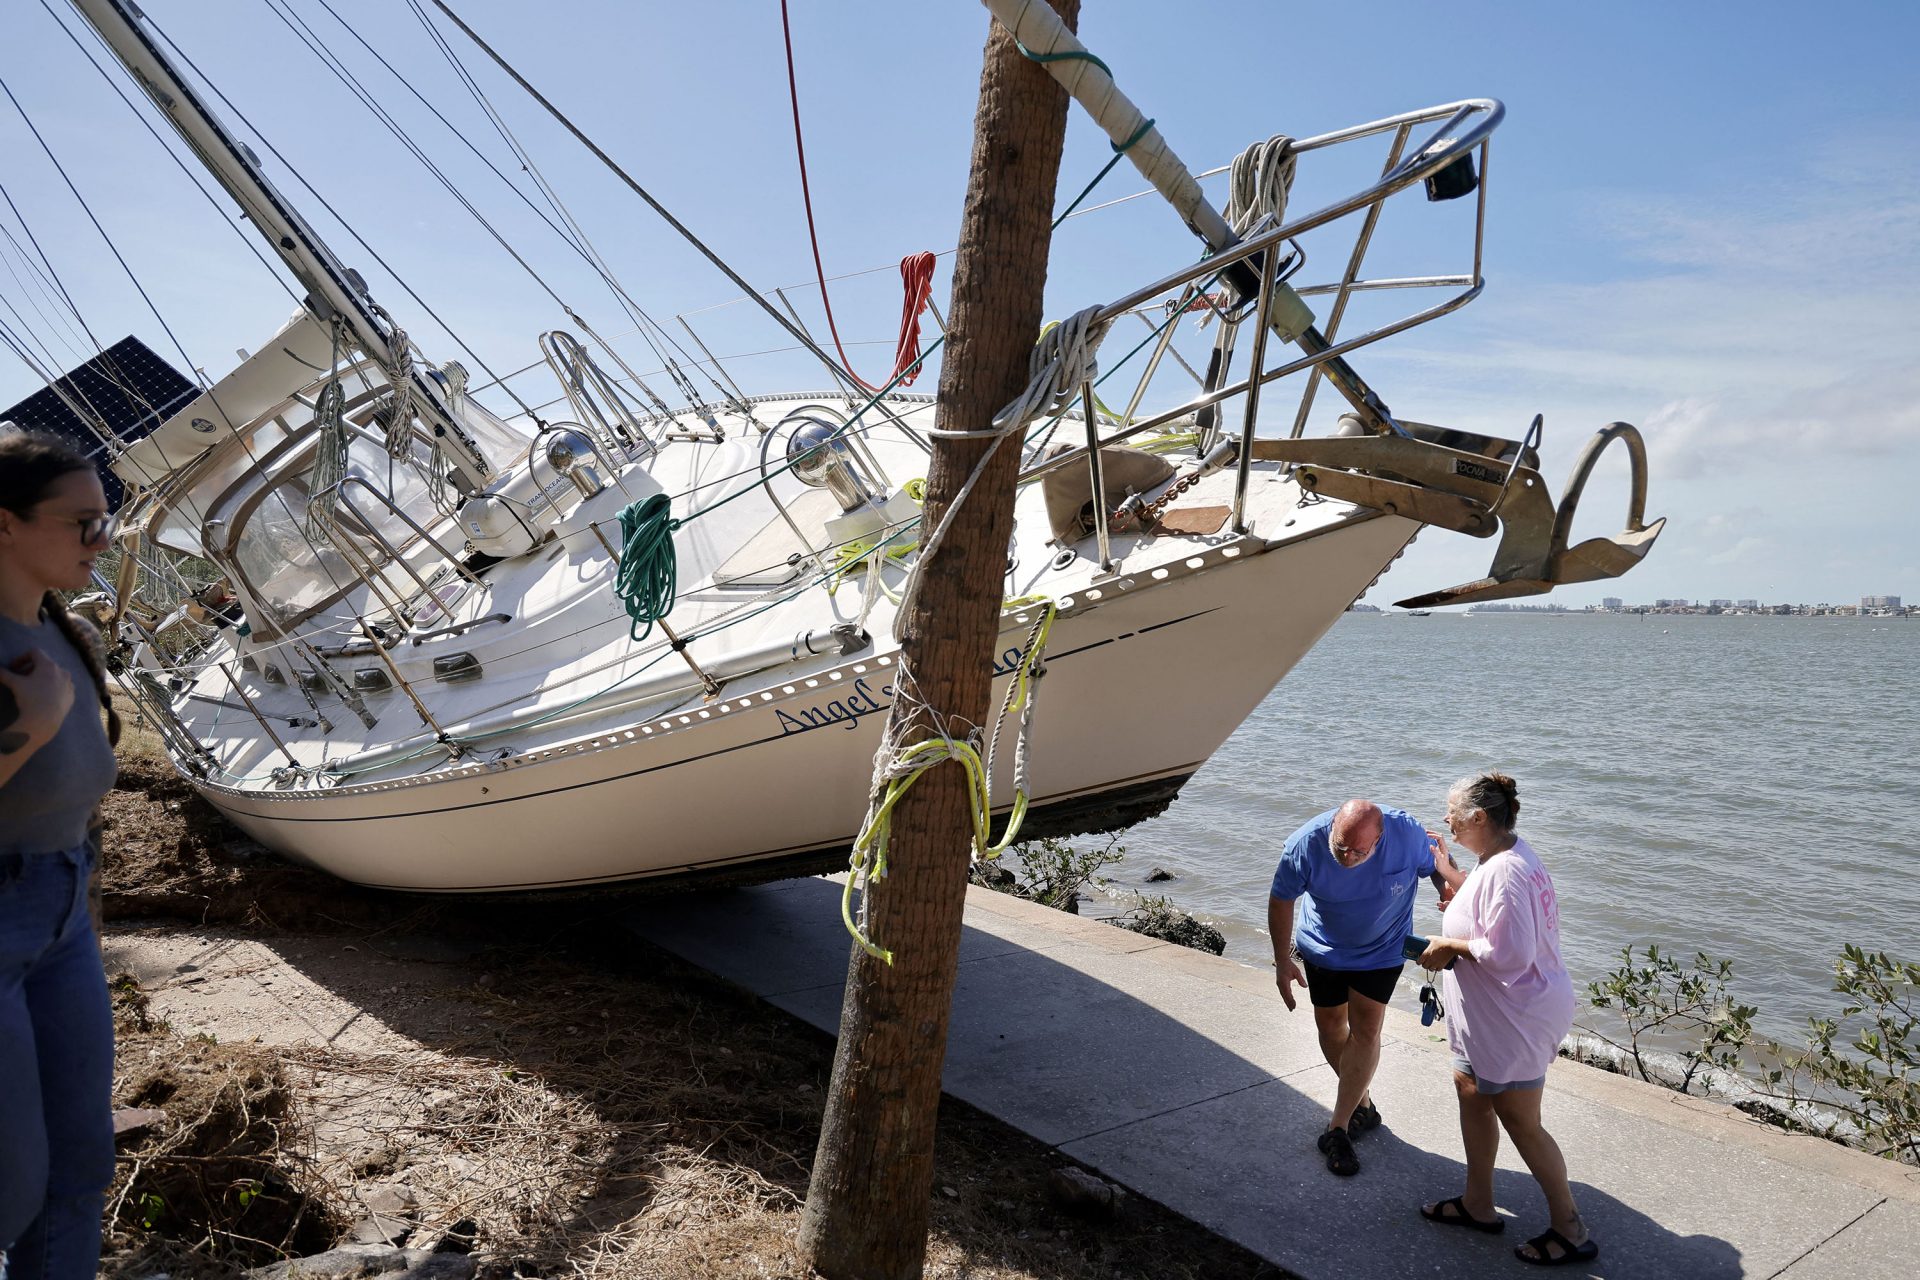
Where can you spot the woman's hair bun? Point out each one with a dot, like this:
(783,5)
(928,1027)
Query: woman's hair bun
(1495,794)
(1508,790)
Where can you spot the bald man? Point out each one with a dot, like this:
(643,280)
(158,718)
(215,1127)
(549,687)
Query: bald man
(1355,868)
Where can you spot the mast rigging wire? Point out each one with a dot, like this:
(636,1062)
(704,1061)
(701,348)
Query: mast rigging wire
(111,246)
(572,242)
(685,233)
(252,244)
(916,270)
(348,227)
(332,62)
(70,338)
(70,393)
(650,330)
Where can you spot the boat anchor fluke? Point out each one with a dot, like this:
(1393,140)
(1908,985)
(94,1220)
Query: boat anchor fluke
(1528,564)
(1487,486)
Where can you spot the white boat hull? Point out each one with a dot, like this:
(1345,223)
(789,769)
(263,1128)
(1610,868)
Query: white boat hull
(1141,688)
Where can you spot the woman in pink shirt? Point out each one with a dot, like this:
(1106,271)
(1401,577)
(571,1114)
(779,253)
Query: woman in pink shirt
(1509,1003)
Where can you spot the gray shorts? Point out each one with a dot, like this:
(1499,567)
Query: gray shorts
(1465,1068)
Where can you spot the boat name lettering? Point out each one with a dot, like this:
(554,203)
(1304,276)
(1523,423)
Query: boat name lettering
(847,711)
(844,711)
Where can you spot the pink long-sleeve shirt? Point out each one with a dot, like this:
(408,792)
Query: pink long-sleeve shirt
(1510,1005)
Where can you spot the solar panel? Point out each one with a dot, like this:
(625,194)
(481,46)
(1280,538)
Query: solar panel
(127,387)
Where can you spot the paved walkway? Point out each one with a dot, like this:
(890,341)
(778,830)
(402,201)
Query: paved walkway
(1182,1076)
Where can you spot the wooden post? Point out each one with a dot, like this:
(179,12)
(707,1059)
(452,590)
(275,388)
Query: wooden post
(869,1199)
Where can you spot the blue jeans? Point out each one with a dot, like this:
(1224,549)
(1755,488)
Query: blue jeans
(56,1069)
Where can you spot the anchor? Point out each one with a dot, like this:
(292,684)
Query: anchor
(1476,491)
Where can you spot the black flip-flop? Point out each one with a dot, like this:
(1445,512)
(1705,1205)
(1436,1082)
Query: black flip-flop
(1586,1251)
(1461,1218)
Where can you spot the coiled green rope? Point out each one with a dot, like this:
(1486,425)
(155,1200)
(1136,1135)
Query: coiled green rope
(648,566)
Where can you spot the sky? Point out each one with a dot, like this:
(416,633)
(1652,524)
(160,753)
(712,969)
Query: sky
(1703,219)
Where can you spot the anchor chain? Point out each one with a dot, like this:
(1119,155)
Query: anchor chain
(1147,514)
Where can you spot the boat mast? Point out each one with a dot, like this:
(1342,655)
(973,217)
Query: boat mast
(333,289)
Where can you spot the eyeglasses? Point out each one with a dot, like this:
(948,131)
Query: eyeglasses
(1345,854)
(93,529)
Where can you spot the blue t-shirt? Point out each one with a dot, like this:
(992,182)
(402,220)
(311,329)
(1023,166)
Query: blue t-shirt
(1354,918)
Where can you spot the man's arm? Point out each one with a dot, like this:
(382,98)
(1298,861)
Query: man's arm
(1280,925)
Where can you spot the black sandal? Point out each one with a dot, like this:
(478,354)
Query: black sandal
(1586,1251)
(1459,1217)
(1337,1147)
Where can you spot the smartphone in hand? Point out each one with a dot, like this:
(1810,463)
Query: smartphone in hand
(1416,946)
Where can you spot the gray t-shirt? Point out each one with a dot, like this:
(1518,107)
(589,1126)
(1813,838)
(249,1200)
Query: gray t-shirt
(45,806)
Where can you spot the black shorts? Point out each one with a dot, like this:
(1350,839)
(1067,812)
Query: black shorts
(1328,988)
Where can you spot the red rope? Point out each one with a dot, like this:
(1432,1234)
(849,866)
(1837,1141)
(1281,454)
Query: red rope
(916,270)
(916,283)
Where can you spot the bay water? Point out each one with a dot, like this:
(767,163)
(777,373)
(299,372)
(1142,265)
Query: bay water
(1739,785)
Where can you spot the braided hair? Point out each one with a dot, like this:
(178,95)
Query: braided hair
(29,464)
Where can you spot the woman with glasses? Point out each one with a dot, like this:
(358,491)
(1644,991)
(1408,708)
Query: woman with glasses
(1509,1004)
(56,762)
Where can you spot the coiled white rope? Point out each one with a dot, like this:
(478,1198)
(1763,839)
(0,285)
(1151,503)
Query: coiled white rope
(330,455)
(1259,183)
(1062,361)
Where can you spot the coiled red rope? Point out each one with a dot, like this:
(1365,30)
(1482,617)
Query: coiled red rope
(916,270)
(916,284)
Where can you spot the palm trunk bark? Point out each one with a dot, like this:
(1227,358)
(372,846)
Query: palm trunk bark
(868,1202)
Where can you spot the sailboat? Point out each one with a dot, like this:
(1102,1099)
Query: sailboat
(452,652)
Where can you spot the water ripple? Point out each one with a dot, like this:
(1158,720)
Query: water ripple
(1733,785)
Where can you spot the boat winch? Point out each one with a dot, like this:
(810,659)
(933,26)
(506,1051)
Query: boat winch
(819,455)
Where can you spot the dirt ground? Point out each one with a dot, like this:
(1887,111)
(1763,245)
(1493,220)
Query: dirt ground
(524,1081)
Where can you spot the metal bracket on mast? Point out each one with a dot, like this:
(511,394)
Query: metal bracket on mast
(332,287)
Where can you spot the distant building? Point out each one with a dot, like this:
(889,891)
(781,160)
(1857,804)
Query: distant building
(1611,602)
(1746,604)
(1879,602)
(1720,604)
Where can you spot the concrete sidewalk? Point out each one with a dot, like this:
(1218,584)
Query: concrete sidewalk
(1182,1076)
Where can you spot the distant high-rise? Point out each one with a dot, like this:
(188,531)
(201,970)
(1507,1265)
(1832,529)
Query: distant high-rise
(1611,602)
(1879,602)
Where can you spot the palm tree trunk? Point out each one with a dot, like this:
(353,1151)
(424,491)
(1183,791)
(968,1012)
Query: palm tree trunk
(868,1202)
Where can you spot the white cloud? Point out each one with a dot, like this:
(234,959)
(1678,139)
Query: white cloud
(1747,548)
